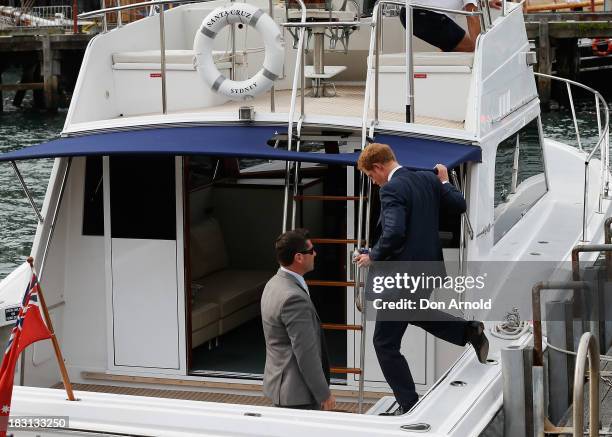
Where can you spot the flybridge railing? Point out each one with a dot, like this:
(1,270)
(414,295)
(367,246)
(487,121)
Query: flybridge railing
(375,47)
(151,6)
(162,36)
(602,145)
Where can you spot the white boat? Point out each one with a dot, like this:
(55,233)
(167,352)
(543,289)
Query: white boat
(154,239)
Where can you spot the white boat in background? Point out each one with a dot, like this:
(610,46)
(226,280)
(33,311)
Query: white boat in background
(154,239)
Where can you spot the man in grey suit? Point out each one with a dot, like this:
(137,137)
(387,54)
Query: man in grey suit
(297,370)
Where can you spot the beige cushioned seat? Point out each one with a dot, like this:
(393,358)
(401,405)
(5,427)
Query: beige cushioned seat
(221,295)
(429,59)
(203,313)
(187,57)
(233,289)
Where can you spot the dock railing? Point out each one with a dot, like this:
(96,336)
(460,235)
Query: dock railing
(602,145)
(56,17)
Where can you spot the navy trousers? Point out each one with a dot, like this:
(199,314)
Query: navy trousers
(387,342)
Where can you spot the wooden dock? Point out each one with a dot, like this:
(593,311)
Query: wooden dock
(556,35)
(49,64)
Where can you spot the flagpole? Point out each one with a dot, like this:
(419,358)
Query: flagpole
(58,352)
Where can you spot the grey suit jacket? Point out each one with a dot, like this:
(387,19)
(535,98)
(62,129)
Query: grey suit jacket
(293,374)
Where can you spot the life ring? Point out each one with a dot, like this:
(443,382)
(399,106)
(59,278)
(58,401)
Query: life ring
(595,47)
(273,62)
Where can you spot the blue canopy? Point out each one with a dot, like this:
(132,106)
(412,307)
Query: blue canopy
(240,141)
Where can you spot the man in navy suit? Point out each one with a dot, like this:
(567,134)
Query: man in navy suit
(409,218)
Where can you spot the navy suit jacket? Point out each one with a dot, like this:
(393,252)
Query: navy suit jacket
(409,218)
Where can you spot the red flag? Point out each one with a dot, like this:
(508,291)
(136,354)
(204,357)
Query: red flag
(29,328)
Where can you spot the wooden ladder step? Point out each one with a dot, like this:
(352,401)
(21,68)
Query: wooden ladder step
(21,86)
(317,283)
(334,241)
(328,198)
(341,327)
(354,370)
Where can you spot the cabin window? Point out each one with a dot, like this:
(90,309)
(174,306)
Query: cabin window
(93,198)
(202,170)
(520,179)
(143,198)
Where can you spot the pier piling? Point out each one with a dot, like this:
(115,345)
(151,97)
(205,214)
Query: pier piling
(556,35)
(55,52)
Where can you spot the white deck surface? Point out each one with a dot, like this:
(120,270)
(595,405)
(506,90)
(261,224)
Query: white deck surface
(348,102)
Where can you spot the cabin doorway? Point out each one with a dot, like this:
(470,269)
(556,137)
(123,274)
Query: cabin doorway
(235,210)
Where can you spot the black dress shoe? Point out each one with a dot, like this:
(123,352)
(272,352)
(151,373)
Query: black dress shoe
(476,337)
(397,412)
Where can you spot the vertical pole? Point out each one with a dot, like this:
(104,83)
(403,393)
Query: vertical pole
(104,19)
(56,347)
(47,70)
(75,20)
(233,58)
(409,66)
(585,201)
(302,75)
(319,50)
(544,62)
(518,397)
(538,400)
(571,100)
(162,47)
(272,92)
(119,15)
(560,333)
(378,32)
(515,166)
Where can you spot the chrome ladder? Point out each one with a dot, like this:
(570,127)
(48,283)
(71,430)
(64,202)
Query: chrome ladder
(292,182)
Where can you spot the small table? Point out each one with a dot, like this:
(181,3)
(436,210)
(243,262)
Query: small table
(320,79)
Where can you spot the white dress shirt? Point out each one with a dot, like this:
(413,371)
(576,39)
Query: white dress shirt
(300,278)
(396,169)
(392,172)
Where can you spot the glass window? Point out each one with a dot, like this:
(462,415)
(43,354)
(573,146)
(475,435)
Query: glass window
(519,177)
(93,198)
(142,197)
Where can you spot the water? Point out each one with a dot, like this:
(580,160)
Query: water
(19,128)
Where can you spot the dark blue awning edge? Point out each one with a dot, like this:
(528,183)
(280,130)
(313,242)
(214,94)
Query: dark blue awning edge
(239,141)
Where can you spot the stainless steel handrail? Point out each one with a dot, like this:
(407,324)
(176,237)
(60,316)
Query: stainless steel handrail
(146,4)
(326,24)
(297,74)
(162,36)
(375,35)
(588,346)
(603,145)
(27,192)
(162,59)
(56,211)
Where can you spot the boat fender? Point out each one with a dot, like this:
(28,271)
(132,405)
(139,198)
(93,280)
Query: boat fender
(237,13)
(595,47)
